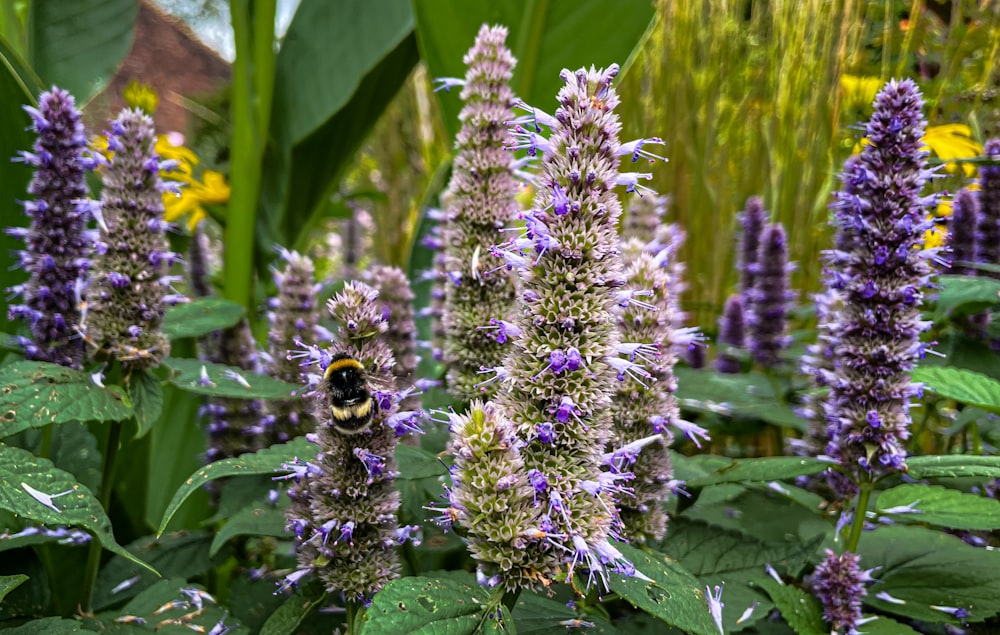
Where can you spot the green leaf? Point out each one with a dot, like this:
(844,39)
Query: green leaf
(74,449)
(287,618)
(36,394)
(972,294)
(962,385)
(146,392)
(772,468)
(78,47)
(434,606)
(675,596)
(416,463)
(201,316)
(545,37)
(535,615)
(10,582)
(802,612)
(179,555)
(266,461)
(339,66)
(739,395)
(46,626)
(72,504)
(926,568)
(953,466)
(256,520)
(887,626)
(936,505)
(153,606)
(219,381)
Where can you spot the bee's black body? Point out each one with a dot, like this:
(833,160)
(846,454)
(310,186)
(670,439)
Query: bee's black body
(351,403)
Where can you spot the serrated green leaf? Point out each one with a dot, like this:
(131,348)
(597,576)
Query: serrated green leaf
(10,582)
(79,46)
(266,461)
(201,316)
(802,612)
(886,626)
(434,606)
(287,618)
(146,392)
(36,394)
(46,626)
(72,504)
(181,555)
(74,449)
(675,596)
(740,395)
(961,385)
(417,463)
(535,615)
(936,505)
(772,468)
(953,466)
(218,380)
(256,520)
(965,295)
(926,568)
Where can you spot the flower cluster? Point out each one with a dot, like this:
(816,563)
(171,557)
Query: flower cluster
(988,220)
(234,425)
(839,584)
(752,222)
(294,320)
(880,274)
(482,200)
(769,299)
(962,231)
(129,288)
(57,244)
(395,300)
(345,503)
(732,334)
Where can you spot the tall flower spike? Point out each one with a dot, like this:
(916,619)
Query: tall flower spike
(395,300)
(645,216)
(639,412)
(492,497)
(482,192)
(345,504)
(767,321)
(564,363)
(129,286)
(881,274)
(752,221)
(294,318)
(988,225)
(962,231)
(732,334)
(840,586)
(56,242)
(234,425)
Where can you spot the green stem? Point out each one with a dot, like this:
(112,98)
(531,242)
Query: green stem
(977,442)
(104,497)
(864,495)
(510,599)
(352,616)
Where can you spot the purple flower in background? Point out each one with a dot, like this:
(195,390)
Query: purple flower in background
(839,584)
(988,220)
(235,426)
(880,273)
(767,310)
(732,334)
(752,221)
(57,244)
(962,231)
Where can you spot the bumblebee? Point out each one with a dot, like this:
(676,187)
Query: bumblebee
(352,405)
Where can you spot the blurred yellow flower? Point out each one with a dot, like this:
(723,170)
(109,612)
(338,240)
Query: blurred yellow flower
(141,96)
(953,141)
(859,92)
(212,190)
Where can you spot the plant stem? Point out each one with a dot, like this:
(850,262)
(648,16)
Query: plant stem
(510,599)
(977,442)
(104,497)
(352,616)
(864,495)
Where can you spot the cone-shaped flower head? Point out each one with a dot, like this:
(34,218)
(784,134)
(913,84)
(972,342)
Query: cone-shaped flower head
(988,225)
(767,320)
(344,506)
(234,425)
(57,245)
(564,365)
(492,498)
(395,300)
(294,318)
(645,217)
(752,221)
(129,286)
(732,334)
(840,585)
(962,231)
(482,192)
(881,274)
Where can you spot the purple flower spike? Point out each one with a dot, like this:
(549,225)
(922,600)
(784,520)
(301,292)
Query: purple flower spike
(769,299)
(962,231)
(57,243)
(732,334)
(988,225)
(395,297)
(840,585)
(752,222)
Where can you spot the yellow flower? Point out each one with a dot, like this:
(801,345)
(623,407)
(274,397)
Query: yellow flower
(141,96)
(212,190)
(953,141)
(859,92)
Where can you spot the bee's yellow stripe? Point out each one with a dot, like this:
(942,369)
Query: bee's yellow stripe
(359,411)
(341,364)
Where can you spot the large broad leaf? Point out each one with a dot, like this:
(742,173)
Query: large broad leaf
(46,626)
(255,520)
(217,380)
(416,463)
(339,66)
(36,394)
(10,582)
(200,317)
(146,392)
(545,37)
(33,488)
(286,619)
(429,606)
(965,294)
(922,569)
(774,468)
(79,45)
(802,612)
(936,505)
(19,86)
(674,596)
(535,615)
(954,466)
(266,461)
(739,395)
(962,385)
